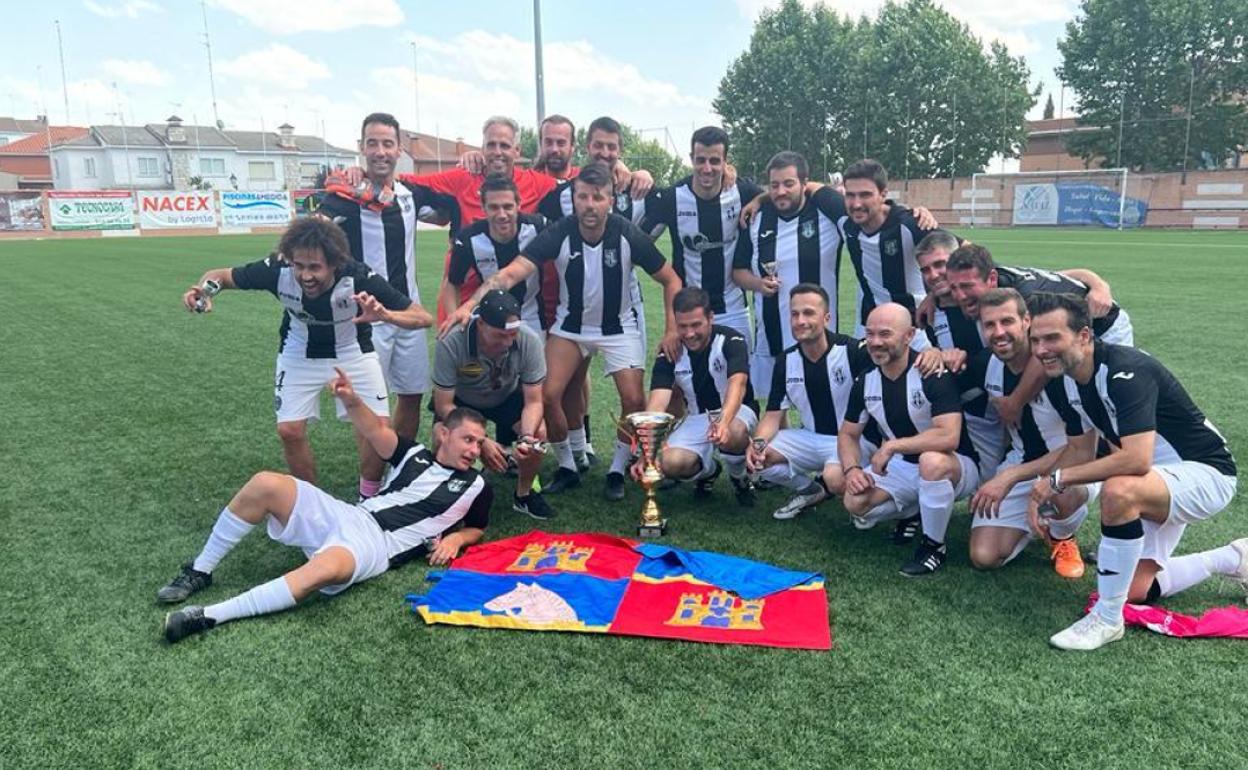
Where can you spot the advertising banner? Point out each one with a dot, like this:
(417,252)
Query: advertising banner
(1072,203)
(91,210)
(255,209)
(307,201)
(21,211)
(165,209)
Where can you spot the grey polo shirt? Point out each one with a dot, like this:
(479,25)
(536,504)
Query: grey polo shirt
(484,382)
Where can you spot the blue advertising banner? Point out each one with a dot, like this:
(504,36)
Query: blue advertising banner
(1072,203)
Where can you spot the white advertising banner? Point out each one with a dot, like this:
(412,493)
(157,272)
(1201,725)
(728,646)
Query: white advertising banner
(91,210)
(1035,204)
(166,210)
(255,209)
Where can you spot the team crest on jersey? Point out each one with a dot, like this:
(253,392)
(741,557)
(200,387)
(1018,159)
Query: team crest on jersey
(917,400)
(890,248)
(718,365)
(838,376)
(405,204)
(718,609)
(808,229)
(344,303)
(610,257)
(560,555)
(456,485)
(622,201)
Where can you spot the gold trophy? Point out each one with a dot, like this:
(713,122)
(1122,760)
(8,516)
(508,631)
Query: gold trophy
(648,431)
(769,269)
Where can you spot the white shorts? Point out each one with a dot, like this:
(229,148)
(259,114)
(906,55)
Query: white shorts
(691,434)
(1013,511)
(319,521)
(1121,333)
(299,383)
(1197,491)
(988,437)
(806,451)
(739,320)
(761,366)
(619,351)
(404,355)
(901,481)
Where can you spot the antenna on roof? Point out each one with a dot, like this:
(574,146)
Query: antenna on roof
(60,47)
(212,83)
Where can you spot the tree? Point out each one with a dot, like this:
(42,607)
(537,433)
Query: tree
(1138,63)
(1048,108)
(913,89)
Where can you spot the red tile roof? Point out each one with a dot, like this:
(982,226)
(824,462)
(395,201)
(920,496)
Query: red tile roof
(37,144)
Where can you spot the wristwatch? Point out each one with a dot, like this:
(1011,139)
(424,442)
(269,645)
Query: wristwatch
(1055,481)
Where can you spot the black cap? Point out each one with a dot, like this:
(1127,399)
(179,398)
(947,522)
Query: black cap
(500,309)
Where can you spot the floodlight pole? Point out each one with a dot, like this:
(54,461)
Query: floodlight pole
(60,47)
(415,87)
(1187,137)
(212,83)
(537,61)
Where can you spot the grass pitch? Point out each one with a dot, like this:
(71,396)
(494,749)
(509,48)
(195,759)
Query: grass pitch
(128,423)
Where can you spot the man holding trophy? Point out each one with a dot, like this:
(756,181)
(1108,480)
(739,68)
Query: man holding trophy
(712,373)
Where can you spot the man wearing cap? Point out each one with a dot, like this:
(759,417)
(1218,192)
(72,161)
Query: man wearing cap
(496,365)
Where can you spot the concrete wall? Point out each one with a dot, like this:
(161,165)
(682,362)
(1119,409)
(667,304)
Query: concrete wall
(1207,199)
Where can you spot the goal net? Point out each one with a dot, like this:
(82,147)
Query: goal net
(1111,197)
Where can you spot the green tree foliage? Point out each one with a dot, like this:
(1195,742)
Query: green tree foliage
(637,152)
(912,88)
(1049,109)
(1139,61)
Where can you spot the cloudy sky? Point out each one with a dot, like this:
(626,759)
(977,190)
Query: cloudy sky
(655,64)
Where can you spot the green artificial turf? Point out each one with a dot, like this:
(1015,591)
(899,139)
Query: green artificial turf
(127,423)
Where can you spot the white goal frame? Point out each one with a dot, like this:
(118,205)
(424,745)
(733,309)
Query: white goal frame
(1122,187)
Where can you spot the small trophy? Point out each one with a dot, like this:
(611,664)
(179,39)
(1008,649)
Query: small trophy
(760,446)
(648,430)
(769,269)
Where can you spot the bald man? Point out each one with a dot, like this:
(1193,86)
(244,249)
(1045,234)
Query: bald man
(926,456)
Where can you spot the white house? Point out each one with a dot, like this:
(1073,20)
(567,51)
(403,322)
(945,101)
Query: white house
(173,156)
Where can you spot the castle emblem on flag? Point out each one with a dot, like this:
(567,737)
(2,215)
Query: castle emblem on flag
(560,555)
(718,609)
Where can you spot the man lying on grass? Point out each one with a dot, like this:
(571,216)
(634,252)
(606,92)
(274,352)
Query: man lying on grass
(424,496)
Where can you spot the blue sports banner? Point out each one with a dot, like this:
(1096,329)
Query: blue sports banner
(1074,203)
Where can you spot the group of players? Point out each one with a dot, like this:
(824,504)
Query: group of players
(1015,388)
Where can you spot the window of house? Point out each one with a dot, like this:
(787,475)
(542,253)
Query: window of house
(261,170)
(149,167)
(212,166)
(88,167)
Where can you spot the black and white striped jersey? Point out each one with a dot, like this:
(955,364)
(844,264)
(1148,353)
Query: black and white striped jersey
(884,261)
(804,248)
(386,240)
(819,390)
(702,376)
(1031,280)
(595,295)
(557,204)
(905,407)
(1131,392)
(950,328)
(704,237)
(420,499)
(1041,427)
(323,326)
(475,252)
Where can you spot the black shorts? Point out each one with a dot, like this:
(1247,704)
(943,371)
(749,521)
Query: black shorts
(505,416)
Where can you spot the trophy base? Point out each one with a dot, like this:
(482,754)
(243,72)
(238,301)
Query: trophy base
(651,531)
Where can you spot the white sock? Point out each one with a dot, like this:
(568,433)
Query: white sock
(576,437)
(225,534)
(883,512)
(273,596)
(734,463)
(563,454)
(1019,548)
(619,461)
(1063,529)
(1116,560)
(1182,572)
(936,500)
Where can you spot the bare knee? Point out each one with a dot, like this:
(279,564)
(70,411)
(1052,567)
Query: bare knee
(834,480)
(1119,501)
(936,466)
(292,432)
(985,556)
(857,505)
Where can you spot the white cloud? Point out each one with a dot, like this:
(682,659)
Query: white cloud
(138,72)
(130,9)
(277,65)
(281,17)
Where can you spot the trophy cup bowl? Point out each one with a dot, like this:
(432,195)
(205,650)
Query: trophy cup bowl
(647,431)
(769,269)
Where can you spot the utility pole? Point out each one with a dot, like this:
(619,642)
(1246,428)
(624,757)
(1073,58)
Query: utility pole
(60,47)
(537,61)
(212,82)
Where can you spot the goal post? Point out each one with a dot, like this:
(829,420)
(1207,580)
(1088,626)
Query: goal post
(1107,197)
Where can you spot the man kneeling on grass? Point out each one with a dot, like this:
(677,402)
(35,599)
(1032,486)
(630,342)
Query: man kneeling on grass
(424,496)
